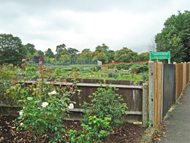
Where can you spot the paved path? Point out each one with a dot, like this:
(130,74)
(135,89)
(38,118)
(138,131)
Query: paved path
(178,122)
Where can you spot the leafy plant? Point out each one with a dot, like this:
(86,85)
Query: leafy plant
(103,114)
(44,106)
(95,131)
(145,76)
(6,73)
(114,75)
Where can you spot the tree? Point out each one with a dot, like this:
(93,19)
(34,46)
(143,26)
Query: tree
(175,37)
(59,50)
(104,48)
(85,51)
(39,52)
(65,59)
(30,48)
(125,55)
(65,52)
(101,57)
(111,55)
(144,56)
(11,49)
(49,53)
(58,47)
(72,51)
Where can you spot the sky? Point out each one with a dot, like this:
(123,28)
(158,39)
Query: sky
(85,24)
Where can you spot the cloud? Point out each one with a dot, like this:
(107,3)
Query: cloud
(87,23)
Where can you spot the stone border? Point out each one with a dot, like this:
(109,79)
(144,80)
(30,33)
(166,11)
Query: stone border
(148,135)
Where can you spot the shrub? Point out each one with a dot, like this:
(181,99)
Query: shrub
(114,75)
(103,115)
(98,68)
(74,69)
(111,66)
(119,66)
(57,72)
(123,66)
(142,67)
(6,73)
(44,106)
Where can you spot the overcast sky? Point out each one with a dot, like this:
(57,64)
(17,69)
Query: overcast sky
(84,24)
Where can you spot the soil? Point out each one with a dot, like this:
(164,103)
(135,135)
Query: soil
(125,133)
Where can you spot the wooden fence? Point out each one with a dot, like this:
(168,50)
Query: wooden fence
(135,96)
(156,88)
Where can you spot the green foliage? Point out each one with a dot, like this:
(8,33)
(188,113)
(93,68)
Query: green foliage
(74,69)
(114,75)
(57,72)
(98,68)
(144,56)
(145,76)
(104,48)
(125,55)
(11,49)
(49,53)
(95,131)
(103,115)
(6,72)
(12,93)
(175,37)
(105,103)
(31,69)
(142,67)
(101,57)
(30,48)
(110,55)
(72,51)
(111,66)
(44,105)
(123,66)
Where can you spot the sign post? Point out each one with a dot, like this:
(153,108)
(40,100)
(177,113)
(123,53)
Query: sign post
(160,56)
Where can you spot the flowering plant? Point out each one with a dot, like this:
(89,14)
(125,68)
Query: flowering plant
(45,106)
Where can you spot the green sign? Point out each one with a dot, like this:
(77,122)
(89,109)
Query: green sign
(160,55)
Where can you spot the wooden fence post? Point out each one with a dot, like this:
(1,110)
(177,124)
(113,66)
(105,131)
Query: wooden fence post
(145,104)
(151,92)
(184,75)
(189,71)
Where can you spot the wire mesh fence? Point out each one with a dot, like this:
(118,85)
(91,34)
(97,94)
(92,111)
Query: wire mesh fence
(67,62)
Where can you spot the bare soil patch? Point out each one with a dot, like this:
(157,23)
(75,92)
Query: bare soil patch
(125,133)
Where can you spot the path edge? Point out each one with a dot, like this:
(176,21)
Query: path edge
(148,135)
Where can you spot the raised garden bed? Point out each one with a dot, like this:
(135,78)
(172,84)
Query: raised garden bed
(125,133)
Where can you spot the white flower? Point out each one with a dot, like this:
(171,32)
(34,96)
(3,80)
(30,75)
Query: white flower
(21,123)
(71,106)
(44,104)
(29,98)
(51,93)
(21,112)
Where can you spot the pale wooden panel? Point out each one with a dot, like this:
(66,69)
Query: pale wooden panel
(158,94)
(187,73)
(184,75)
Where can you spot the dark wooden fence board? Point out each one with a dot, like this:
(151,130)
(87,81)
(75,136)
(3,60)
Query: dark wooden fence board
(132,97)
(168,87)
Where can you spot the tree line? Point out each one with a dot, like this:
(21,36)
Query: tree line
(13,51)
(175,37)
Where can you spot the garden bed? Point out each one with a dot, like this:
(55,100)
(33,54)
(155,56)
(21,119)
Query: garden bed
(125,133)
